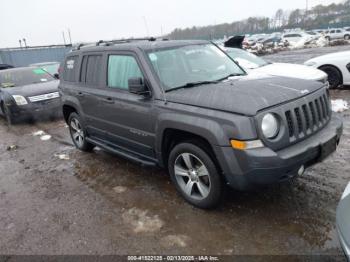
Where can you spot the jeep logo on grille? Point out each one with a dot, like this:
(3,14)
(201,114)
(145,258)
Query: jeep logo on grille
(305,91)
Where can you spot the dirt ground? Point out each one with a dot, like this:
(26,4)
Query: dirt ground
(97,203)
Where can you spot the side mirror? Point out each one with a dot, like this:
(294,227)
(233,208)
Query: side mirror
(137,86)
(56,76)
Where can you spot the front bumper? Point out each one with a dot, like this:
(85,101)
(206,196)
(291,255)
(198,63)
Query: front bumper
(36,110)
(261,166)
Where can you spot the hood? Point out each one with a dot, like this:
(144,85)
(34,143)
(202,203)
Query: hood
(292,70)
(339,55)
(33,89)
(244,95)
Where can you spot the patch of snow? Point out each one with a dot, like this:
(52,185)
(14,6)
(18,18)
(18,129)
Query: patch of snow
(45,137)
(339,105)
(141,222)
(62,156)
(39,133)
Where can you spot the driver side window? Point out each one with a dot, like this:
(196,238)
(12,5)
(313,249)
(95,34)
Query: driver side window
(120,69)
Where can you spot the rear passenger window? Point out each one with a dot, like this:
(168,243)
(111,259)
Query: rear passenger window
(120,69)
(70,68)
(90,70)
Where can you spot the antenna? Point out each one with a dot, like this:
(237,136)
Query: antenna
(145,21)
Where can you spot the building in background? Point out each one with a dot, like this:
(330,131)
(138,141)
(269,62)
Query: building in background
(30,55)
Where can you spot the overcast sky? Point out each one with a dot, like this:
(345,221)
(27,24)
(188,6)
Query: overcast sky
(41,22)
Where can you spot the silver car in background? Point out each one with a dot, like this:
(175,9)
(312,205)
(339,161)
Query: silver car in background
(343,221)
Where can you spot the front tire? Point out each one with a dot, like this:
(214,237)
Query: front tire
(78,133)
(347,37)
(195,175)
(7,114)
(334,76)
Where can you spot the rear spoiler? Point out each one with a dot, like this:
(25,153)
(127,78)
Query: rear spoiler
(235,41)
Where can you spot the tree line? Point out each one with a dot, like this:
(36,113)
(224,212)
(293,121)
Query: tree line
(318,17)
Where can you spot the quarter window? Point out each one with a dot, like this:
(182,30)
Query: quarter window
(120,69)
(70,68)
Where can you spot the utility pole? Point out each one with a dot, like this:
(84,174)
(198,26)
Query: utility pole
(64,38)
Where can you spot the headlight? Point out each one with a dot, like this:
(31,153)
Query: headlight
(310,63)
(346,192)
(20,100)
(270,126)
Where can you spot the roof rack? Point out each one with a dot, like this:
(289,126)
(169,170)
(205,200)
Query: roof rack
(118,41)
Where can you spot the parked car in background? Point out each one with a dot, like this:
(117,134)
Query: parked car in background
(188,107)
(27,93)
(253,39)
(337,33)
(51,67)
(254,64)
(5,66)
(294,37)
(343,221)
(335,65)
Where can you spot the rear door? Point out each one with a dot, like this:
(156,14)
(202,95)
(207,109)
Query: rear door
(89,84)
(124,119)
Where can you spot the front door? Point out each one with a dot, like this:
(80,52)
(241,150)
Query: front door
(122,118)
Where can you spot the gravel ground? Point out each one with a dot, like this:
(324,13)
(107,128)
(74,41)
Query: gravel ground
(57,200)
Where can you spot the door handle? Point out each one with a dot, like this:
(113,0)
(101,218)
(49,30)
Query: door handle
(80,94)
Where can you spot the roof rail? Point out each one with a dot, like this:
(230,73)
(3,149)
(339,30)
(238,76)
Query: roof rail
(118,41)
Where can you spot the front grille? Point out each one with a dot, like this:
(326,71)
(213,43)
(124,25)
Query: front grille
(308,117)
(43,97)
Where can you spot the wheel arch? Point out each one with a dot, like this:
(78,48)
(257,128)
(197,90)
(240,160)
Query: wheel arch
(68,109)
(335,67)
(173,136)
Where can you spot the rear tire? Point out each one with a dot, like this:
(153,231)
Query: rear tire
(195,175)
(347,37)
(334,76)
(78,133)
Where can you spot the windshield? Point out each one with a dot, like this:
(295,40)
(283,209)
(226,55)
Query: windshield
(15,77)
(51,68)
(180,66)
(245,59)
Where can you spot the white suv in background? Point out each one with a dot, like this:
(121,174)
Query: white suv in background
(337,33)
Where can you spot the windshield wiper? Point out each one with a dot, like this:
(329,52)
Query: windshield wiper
(192,84)
(230,75)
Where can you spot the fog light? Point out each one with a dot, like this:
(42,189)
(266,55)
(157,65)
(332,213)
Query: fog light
(301,170)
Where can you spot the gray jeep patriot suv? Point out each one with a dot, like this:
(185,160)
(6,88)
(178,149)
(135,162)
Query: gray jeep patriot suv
(187,106)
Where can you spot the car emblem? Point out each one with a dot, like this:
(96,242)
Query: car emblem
(305,91)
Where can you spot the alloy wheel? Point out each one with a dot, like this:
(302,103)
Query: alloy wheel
(192,176)
(77,132)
